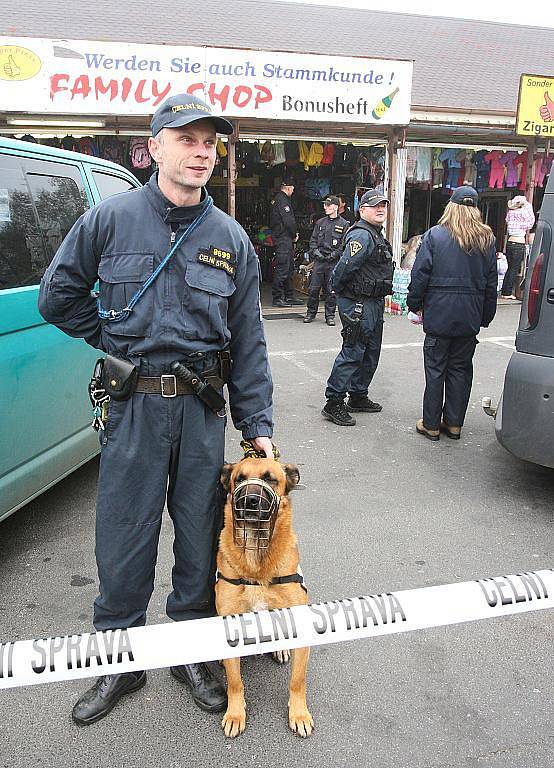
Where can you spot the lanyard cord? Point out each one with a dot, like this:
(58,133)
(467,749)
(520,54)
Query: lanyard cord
(116,315)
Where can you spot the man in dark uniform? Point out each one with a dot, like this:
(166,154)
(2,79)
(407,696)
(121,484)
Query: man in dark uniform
(283,228)
(325,250)
(361,280)
(163,444)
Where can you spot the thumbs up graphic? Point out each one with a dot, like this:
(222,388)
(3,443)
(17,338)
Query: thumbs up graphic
(547,109)
(11,68)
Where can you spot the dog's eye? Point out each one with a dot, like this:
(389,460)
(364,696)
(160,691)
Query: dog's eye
(270,479)
(239,478)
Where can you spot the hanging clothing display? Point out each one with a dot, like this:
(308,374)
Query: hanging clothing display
(496,177)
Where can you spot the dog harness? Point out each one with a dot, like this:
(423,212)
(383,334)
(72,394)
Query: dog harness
(292,578)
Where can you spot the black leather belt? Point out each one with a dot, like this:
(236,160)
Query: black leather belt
(169,385)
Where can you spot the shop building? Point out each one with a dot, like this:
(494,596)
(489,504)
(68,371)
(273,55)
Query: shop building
(348,123)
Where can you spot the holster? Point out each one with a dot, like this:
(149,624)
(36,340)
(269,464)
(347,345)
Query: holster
(119,378)
(352,327)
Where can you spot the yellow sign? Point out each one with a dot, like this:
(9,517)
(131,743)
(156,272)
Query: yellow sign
(535,107)
(17,63)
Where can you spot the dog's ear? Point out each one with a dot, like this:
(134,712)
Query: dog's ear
(293,476)
(225,477)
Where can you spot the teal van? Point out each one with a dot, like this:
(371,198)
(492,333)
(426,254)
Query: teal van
(45,413)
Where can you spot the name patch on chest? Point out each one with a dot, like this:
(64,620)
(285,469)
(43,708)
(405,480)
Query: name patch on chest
(218,259)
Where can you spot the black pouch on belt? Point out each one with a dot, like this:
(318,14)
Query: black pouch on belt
(119,378)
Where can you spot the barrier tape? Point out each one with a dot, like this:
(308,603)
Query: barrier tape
(52,659)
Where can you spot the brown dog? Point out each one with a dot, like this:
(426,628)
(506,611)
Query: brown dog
(257,544)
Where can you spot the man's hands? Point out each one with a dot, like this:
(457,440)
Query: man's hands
(263,444)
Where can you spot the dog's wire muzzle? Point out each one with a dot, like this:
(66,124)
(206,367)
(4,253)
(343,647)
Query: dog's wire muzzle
(255,508)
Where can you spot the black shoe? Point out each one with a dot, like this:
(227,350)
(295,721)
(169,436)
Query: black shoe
(362,405)
(207,691)
(330,320)
(334,411)
(280,303)
(95,703)
(292,302)
(309,318)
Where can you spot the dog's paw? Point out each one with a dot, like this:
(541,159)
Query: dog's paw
(281,657)
(301,722)
(234,723)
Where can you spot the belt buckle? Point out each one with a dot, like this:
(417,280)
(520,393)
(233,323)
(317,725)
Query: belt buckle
(168,380)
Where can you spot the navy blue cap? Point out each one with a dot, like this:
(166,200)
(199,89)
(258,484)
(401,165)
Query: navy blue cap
(373,197)
(465,195)
(183,109)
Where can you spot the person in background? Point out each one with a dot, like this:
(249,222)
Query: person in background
(325,250)
(344,211)
(283,228)
(361,280)
(453,284)
(519,220)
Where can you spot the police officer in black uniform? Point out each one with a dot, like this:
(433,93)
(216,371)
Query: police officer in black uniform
(361,280)
(283,228)
(325,251)
(195,274)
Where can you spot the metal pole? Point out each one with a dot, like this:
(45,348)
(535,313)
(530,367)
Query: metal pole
(232,172)
(529,175)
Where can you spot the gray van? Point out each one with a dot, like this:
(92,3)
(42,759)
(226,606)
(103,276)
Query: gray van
(525,414)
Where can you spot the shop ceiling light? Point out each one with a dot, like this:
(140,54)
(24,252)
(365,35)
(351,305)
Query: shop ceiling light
(58,123)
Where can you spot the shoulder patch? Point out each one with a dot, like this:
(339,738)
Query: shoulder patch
(355,247)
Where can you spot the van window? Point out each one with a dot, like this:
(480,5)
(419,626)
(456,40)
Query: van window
(109,185)
(59,196)
(39,202)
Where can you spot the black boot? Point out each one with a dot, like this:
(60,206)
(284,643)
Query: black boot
(293,302)
(362,404)
(95,703)
(207,691)
(280,303)
(309,318)
(334,411)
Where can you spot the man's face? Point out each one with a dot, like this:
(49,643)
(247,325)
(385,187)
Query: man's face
(186,156)
(374,214)
(288,190)
(330,209)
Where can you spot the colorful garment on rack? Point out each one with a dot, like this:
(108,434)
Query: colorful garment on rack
(543,164)
(507,161)
(482,170)
(496,178)
(453,165)
(521,163)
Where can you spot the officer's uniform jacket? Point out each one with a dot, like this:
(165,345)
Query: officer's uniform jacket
(281,218)
(455,289)
(204,300)
(327,237)
(362,260)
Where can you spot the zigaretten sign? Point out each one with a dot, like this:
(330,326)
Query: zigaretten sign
(78,77)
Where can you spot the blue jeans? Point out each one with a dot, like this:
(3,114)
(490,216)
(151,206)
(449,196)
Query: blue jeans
(355,366)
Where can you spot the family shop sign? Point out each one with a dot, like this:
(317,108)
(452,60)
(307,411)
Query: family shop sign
(78,77)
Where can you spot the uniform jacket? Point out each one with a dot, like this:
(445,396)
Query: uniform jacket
(455,289)
(359,259)
(281,218)
(327,237)
(190,307)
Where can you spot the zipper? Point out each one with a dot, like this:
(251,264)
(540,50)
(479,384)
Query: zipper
(173,238)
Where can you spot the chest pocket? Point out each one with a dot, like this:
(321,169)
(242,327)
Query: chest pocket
(121,275)
(205,301)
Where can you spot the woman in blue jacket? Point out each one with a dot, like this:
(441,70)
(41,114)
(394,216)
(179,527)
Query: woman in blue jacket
(453,284)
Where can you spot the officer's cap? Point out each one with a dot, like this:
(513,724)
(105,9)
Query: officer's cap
(183,109)
(373,197)
(287,182)
(465,195)
(331,200)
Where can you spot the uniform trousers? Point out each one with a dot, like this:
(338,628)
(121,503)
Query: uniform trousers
(284,268)
(355,366)
(320,280)
(157,450)
(515,253)
(448,376)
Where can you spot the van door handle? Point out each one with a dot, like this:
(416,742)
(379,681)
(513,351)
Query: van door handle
(550,296)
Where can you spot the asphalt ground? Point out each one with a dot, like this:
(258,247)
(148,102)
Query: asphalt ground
(383,509)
